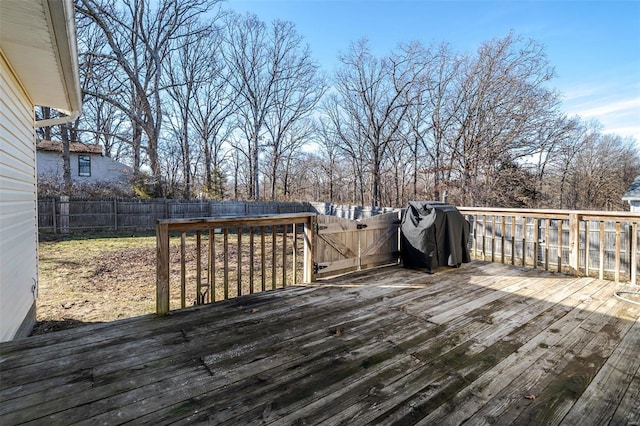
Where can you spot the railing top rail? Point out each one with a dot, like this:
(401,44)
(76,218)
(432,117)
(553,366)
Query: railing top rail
(541,213)
(229,221)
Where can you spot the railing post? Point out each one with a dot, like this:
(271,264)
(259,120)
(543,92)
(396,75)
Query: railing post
(309,230)
(162,268)
(574,243)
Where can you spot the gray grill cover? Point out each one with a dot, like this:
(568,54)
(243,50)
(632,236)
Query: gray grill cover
(433,234)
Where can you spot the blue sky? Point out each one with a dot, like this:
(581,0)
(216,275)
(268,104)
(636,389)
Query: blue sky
(593,45)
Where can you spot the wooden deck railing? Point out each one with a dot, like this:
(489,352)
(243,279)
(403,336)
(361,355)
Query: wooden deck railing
(603,244)
(268,258)
(199,260)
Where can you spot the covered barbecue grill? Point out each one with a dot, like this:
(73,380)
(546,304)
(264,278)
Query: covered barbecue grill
(433,234)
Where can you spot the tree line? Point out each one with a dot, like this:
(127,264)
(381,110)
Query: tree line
(205,102)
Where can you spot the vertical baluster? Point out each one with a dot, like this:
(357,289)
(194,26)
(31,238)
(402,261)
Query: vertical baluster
(536,241)
(239,285)
(198,267)
(603,239)
(484,237)
(225,247)
(262,259)
(183,272)
(547,234)
(212,265)
(503,222)
(493,238)
(574,243)
(618,247)
(251,256)
(633,228)
(524,240)
(284,255)
(560,223)
(475,236)
(587,247)
(295,253)
(274,256)
(513,240)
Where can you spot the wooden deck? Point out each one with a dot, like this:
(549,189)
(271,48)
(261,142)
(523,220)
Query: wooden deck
(483,344)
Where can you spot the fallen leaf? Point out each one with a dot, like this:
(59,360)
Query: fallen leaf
(530,396)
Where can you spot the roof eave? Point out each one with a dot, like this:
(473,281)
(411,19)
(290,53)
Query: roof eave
(38,43)
(63,28)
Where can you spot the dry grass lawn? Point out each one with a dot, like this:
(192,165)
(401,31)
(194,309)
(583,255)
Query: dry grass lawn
(97,278)
(94,279)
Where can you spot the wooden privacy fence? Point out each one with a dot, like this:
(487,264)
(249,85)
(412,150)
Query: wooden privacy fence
(65,214)
(603,244)
(204,260)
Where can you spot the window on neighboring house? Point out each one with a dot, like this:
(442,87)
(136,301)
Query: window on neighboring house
(84,165)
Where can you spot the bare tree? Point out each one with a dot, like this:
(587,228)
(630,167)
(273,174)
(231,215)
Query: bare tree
(296,91)
(443,104)
(373,101)
(251,78)
(329,148)
(504,100)
(186,69)
(211,120)
(600,172)
(139,35)
(554,139)
(274,81)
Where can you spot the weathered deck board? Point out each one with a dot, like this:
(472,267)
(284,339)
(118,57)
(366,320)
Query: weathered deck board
(390,346)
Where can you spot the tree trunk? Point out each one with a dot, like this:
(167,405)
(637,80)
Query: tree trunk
(66,159)
(256,175)
(186,156)
(375,184)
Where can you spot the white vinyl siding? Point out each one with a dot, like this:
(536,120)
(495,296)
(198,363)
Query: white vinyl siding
(103,169)
(18,204)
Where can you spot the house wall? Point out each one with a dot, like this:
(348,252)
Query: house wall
(635,206)
(18,209)
(103,169)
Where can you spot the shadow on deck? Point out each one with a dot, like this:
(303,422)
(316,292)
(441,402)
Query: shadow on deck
(486,343)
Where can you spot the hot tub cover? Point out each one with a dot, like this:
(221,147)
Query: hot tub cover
(433,234)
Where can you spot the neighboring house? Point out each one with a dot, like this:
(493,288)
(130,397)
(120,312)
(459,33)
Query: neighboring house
(632,196)
(38,66)
(88,165)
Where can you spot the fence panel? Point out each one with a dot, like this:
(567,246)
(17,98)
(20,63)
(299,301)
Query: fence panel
(80,214)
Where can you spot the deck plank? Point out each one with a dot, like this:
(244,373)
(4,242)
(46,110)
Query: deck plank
(447,340)
(553,314)
(228,338)
(599,401)
(628,412)
(546,378)
(390,345)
